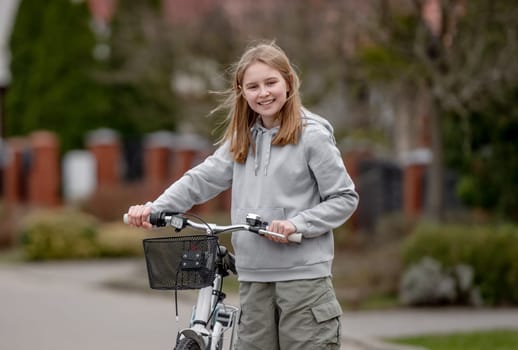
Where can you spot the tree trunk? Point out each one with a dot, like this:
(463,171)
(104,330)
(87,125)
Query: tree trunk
(435,188)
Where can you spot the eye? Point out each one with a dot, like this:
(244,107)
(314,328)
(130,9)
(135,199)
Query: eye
(251,87)
(271,82)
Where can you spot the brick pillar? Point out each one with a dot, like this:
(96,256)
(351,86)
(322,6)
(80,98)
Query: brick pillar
(225,201)
(415,164)
(188,151)
(14,179)
(44,173)
(106,149)
(157,161)
(352,161)
(182,161)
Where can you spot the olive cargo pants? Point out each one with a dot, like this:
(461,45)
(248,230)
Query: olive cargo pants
(291,315)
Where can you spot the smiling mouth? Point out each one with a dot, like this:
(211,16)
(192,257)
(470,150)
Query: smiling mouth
(265,103)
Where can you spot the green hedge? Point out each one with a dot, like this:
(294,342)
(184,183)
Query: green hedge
(119,240)
(70,234)
(492,251)
(59,235)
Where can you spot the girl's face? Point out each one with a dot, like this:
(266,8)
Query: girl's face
(265,90)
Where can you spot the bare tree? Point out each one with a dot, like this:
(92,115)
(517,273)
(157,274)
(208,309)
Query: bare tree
(468,50)
(458,53)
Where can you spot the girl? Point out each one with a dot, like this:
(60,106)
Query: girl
(282,163)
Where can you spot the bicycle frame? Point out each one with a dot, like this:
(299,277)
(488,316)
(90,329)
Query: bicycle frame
(208,333)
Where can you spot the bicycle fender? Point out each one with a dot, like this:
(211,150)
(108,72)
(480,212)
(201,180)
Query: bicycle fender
(192,334)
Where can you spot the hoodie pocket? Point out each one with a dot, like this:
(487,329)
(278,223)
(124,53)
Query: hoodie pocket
(254,251)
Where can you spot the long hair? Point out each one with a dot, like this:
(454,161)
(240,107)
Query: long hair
(241,117)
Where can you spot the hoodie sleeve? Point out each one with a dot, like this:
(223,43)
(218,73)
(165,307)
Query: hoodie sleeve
(338,198)
(199,184)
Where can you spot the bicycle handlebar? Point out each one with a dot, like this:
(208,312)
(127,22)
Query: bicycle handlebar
(179,222)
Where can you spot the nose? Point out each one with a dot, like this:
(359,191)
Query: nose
(263,91)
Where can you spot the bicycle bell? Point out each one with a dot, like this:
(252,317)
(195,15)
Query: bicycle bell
(254,220)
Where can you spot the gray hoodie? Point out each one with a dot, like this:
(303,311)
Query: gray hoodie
(305,183)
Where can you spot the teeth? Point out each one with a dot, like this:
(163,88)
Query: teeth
(266,102)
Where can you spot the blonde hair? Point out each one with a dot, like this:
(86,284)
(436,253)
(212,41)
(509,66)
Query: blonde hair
(241,117)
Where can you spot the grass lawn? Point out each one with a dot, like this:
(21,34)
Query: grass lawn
(486,340)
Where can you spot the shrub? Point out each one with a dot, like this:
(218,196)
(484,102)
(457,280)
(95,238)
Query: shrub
(118,240)
(429,283)
(394,227)
(59,234)
(491,251)
(71,234)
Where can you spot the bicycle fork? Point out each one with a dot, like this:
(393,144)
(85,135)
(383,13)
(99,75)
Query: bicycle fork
(207,329)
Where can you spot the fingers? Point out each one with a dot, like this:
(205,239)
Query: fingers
(283,227)
(138,216)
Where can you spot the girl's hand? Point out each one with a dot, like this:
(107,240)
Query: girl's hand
(138,216)
(283,227)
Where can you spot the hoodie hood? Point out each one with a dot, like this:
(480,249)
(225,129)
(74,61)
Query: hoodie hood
(263,138)
(309,118)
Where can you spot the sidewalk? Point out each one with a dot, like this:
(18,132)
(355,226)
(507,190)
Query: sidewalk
(68,305)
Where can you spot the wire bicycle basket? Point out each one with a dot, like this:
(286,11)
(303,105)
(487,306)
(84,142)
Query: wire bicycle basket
(183,262)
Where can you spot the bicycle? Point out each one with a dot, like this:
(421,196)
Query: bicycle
(199,262)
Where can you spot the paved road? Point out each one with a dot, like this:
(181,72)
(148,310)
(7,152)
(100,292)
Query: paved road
(54,306)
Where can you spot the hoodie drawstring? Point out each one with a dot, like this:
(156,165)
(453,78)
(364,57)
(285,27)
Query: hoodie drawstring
(268,141)
(257,134)
(263,146)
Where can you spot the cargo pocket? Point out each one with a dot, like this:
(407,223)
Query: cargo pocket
(327,315)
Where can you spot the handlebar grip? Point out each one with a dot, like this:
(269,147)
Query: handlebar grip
(295,237)
(155,219)
(125,218)
(158,219)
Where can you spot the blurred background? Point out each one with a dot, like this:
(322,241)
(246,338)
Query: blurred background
(103,103)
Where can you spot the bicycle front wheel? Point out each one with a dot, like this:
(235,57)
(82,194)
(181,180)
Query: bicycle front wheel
(187,344)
